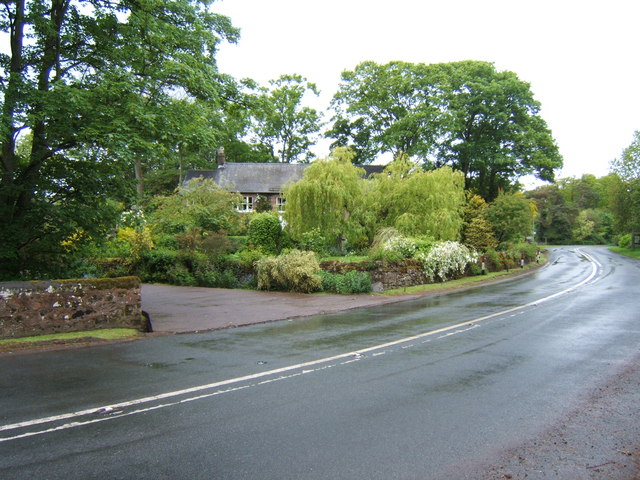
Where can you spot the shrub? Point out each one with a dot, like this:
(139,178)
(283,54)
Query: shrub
(156,264)
(345,284)
(313,241)
(389,244)
(446,259)
(625,241)
(265,232)
(294,271)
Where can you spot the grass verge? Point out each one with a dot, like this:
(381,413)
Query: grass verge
(628,252)
(69,338)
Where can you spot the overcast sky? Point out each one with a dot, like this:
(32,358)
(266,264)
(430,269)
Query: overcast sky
(581,57)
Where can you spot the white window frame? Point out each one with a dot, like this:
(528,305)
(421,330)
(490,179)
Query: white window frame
(280,203)
(246,205)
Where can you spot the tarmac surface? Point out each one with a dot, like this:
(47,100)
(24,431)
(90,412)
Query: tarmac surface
(192,309)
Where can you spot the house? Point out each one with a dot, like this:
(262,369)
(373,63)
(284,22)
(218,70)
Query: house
(253,179)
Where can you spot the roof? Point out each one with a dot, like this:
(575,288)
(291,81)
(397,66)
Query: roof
(260,177)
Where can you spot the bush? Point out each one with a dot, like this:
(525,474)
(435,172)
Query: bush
(156,264)
(295,271)
(345,284)
(313,241)
(625,241)
(265,233)
(446,259)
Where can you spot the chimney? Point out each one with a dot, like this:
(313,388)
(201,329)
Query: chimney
(220,157)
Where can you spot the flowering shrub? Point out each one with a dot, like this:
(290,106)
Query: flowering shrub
(401,246)
(389,244)
(446,259)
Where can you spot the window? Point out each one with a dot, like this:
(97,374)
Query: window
(280,202)
(246,205)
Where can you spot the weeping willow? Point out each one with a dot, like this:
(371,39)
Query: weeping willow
(329,197)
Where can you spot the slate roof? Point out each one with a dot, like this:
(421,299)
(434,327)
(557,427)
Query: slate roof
(259,177)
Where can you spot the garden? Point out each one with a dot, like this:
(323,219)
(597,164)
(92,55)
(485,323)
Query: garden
(405,216)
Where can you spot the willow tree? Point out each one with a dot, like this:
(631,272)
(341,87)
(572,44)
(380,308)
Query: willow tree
(418,202)
(329,198)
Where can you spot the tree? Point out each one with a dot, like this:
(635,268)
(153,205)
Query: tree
(625,202)
(202,206)
(477,231)
(556,219)
(386,109)
(416,202)
(466,115)
(329,197)
(283,126)
(511,216)
(94,83)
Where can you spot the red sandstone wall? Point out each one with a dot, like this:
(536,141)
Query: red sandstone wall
(38,308)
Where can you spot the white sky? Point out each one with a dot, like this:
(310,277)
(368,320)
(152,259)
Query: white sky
(580,56)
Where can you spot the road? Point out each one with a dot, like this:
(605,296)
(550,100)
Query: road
(442,387)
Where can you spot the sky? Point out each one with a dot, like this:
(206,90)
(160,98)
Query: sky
(581,57)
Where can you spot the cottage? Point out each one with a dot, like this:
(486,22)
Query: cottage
(253,179)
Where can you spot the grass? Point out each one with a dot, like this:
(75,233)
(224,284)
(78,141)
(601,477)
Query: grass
(111,334)
(633,253)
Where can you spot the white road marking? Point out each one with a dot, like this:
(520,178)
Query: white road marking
(350,356)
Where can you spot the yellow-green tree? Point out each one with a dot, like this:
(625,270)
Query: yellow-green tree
(418,202)
(329,198)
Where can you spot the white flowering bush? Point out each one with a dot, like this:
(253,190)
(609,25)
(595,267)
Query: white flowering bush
(446,259)
(400,245)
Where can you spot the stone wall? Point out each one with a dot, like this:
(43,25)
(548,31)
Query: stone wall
(406,273)
(38,308)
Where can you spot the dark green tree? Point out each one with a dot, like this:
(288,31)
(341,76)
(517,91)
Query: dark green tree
(556,219)
(467,115)
(625,202)
(95,84)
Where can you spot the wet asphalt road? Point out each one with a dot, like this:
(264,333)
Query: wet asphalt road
(429,388)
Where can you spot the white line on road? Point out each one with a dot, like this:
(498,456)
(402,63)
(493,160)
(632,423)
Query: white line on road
(352,356)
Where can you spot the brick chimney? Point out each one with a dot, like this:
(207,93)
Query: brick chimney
(220,157)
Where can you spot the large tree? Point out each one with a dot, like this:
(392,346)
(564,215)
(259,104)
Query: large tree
(329,198)
(468,115)
(625,201)
(418,202)
(94,82)
(284,128)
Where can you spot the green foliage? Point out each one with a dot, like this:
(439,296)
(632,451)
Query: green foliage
(511,217)
(94,83)
(329,198)
(468,115)
(295,271)
(346,284)
(265,233)
(625,188)
(417,202)
(625,241)
(139,241)
(477,231)
(201,206)
(556,218)
(285,128)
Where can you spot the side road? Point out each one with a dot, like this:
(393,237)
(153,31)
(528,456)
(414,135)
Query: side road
(191,309)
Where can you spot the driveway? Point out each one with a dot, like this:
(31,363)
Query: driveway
(191,309)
